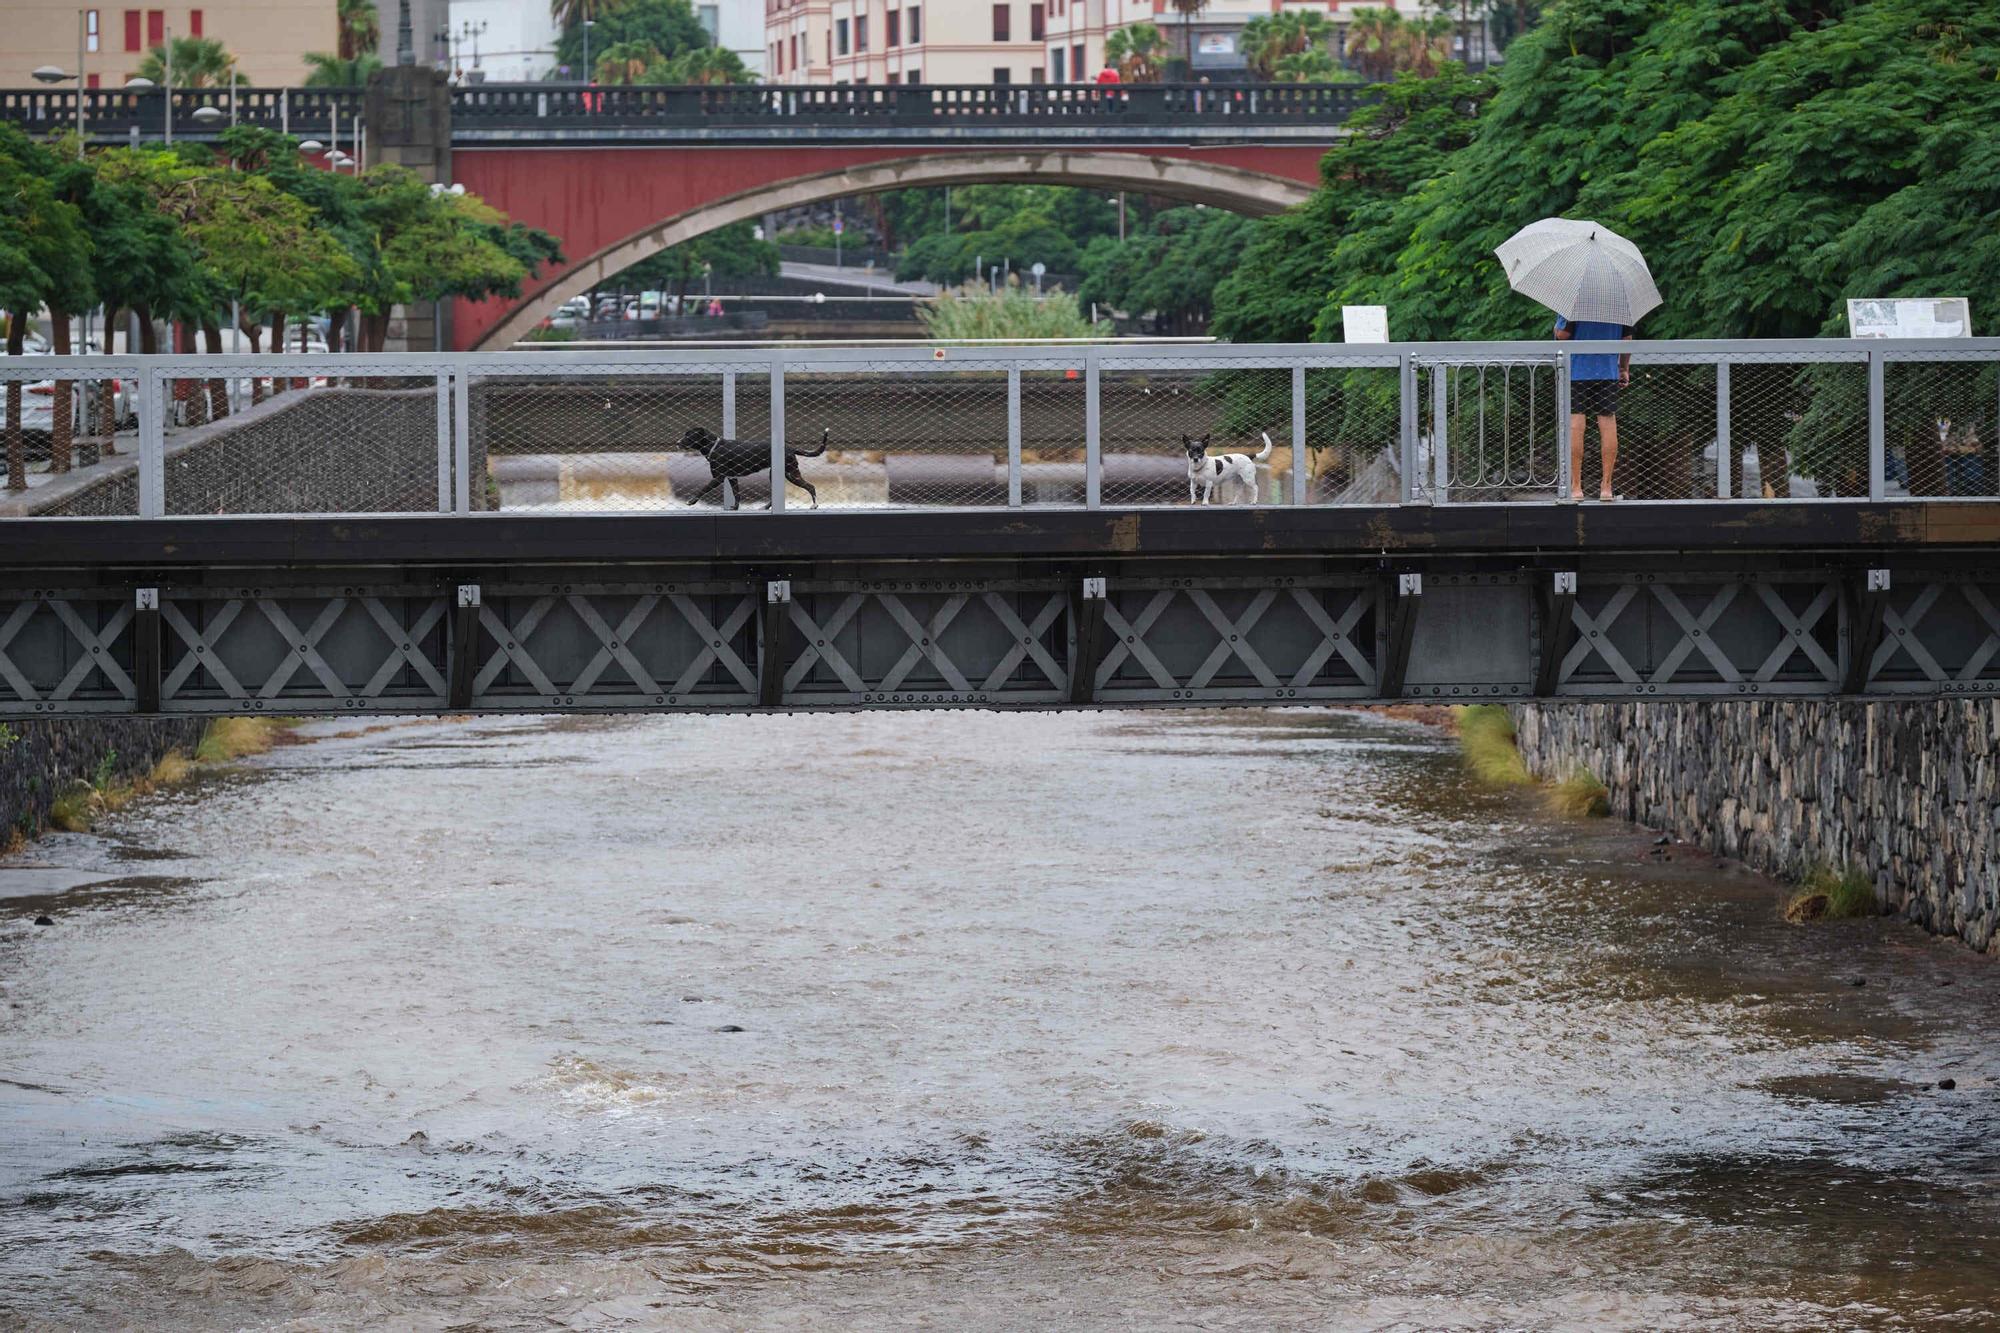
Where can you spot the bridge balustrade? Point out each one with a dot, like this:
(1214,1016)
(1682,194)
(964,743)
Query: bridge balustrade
(1033,427)
(117,113)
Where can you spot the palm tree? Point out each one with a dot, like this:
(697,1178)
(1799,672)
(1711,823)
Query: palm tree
(360,27)
(198,62)
(1425,44)
(1314,66)
(325,70)
(1374,36)
(626,62)
(1187,9)
(1266,41)
(1136,52)
(708,65)
(569,13)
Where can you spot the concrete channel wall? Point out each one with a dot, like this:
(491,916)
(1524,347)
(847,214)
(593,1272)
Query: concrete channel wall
(1908,792)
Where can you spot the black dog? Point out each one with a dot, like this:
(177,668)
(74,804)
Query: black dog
(730,459)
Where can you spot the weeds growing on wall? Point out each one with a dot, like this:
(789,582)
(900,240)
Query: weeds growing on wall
(78,809)
(1486,739)
(1580,796)
(1829,894)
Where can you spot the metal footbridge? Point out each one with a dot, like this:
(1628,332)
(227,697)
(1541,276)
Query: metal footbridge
(1003,528)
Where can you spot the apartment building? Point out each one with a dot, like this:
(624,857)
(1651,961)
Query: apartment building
(902,41)
(269,38)
(1075,30)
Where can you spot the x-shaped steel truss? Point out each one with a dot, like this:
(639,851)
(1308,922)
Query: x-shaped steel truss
(97,652)
(1336,636)
(1900,635)
(1697,635)
(207,650)
(513,646)
(926,644)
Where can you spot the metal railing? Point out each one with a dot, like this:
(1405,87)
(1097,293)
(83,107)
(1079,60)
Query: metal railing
(1045,425)
(483,109)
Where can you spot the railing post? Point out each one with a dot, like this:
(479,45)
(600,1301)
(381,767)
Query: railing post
(1298,435)
(461,442)
(1564,481)
(1014,437)
(728,404)
(152,444)
(1722,435)
(1406,372)
(777,434)
(445,441)
(1440,455)
(1878,437)
(1093,453)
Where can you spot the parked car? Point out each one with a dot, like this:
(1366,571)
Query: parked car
(86,409)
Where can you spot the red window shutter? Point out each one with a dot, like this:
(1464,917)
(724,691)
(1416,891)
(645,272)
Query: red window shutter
(92,82)
(194,23)
(156,26)
(131,30)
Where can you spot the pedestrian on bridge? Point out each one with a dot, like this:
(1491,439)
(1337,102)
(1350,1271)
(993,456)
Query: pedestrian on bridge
(1599,286)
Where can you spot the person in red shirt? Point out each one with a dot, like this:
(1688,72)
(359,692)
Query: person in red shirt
(1108,75)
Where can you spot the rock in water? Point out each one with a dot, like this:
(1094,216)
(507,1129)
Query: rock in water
(1947,1084)
(45,920)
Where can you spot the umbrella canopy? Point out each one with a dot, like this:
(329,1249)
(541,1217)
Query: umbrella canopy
(1580,270)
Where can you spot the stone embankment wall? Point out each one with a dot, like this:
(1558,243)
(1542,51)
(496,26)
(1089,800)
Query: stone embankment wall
(1908,792)
(331,450)
(46,759)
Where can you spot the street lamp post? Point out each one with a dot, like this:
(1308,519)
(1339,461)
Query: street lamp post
(56,74)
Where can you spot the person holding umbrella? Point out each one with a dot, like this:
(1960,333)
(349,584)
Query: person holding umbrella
(1598,284)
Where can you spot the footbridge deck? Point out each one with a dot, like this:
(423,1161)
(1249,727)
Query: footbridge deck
(1001,528)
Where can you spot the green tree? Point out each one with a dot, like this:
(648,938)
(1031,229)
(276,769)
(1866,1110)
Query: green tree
(1136,52)
(1169,270)
(1314,66)
(707,65)
(1267,40)
(977,313)
(44,260)
(727,252)
(360,27)
(668,26)
(326,70)
(199,62)
(626,63)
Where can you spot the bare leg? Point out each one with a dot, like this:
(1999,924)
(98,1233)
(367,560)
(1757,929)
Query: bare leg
(1607,441)
(1575,454)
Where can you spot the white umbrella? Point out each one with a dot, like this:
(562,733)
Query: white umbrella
(1580,270)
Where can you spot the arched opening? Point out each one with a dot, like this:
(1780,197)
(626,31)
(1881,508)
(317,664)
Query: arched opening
(1254,193)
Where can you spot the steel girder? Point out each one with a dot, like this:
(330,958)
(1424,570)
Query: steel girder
(604,640)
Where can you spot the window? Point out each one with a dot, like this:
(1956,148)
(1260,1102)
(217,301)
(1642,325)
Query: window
(913,76)
(1038,75)
(90,30)
(156,26)
(194,23)
(915,23)
(1037,27)
(840,37)
(892,29)
(710,20)
(131,30)
(93,81)
(1056,65)
(861,33)
(1003,76)
(1076,69)
(798,46)
(1003,24)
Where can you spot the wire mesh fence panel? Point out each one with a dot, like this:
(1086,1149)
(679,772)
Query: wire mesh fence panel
(1797,430)
(869,435)
(1487,430)
(1194,436)
(341,444)
(617,439)
(1353,434)
(69,440)
(1054,428)
(1941,427)
(1664,428)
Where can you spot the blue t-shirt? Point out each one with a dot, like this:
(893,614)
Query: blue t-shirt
(1593,367)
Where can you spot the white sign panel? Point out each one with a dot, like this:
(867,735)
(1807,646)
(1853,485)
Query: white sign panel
(1216,43)
(1364,323)
(1910,317)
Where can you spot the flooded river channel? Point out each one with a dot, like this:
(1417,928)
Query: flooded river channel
(1223,1020)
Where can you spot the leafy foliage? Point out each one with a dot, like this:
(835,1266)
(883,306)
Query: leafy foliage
(199,62)
(1136,52)
(1170,269)
(669,27)
(974,312)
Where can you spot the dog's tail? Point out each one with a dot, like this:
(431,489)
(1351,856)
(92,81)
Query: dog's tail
(825,434)
(1265,452)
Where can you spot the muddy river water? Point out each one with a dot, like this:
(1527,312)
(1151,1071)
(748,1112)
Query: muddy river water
(1224,1020)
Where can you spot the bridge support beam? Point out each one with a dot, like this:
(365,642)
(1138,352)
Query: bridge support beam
(1404,598)
(464,646)
(1558,602)
(1086,613)
(146,649)
(1867,599)
(771,662)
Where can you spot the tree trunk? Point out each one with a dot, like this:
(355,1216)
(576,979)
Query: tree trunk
(251,329)
(17,449)
(277,347)
(149,337)
(62,413)
(218,389)
(107,409)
